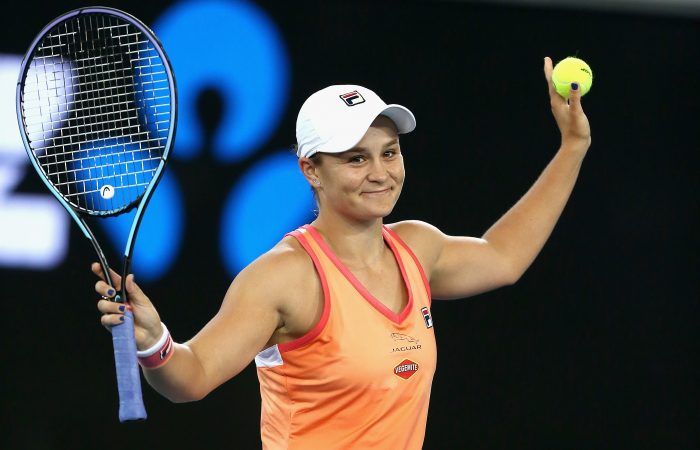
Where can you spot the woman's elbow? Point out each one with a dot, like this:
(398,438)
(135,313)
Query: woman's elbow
(511,274)
(187,396)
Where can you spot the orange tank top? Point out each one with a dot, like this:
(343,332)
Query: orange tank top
(361,378)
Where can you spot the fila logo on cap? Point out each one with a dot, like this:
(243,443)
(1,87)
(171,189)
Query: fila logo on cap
(352,98)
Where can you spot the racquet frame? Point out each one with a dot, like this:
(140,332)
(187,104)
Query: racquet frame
(128,378)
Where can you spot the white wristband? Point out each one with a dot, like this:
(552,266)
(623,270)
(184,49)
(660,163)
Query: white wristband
(157,346)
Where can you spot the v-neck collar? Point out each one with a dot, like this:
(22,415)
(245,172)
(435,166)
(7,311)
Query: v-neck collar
(378,305)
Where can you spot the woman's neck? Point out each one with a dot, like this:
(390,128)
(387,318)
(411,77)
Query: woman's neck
(359,244)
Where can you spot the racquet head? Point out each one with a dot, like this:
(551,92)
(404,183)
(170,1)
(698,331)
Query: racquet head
(96,102)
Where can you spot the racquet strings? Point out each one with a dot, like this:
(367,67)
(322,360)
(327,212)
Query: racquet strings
(96,108)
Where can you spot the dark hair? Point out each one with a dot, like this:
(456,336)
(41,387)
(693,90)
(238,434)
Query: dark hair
(316,158)
(294,148)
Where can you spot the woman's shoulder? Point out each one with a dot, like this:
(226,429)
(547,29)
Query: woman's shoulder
(424,240)
(284,263)
(415,230)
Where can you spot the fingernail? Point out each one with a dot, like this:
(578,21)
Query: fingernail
(122,308)
(574,86)
(110,293)
(121,318)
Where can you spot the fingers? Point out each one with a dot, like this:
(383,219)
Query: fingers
(548,76)
(112,320)
(104,289)
(116,279)
(135,294)
(109,307)
(548,71)
(112,313)
(555,99)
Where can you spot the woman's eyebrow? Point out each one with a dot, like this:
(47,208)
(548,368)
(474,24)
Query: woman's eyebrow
(391,143)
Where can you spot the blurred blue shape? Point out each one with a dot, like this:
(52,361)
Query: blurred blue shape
(159,238)
(234,48)
(270,200)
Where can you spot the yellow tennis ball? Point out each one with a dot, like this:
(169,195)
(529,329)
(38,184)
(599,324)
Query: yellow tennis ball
(571,70)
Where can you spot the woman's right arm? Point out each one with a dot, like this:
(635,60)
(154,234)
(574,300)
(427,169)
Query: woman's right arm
(244,325)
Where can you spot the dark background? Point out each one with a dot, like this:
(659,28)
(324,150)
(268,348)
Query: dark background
(595,347)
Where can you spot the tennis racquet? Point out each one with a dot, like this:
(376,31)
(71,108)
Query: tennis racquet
(97,107)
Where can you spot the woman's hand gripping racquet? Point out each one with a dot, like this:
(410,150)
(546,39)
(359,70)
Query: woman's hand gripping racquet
(97,107)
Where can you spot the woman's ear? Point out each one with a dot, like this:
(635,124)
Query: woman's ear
(308,169)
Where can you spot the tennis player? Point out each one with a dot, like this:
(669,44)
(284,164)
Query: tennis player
(337,315)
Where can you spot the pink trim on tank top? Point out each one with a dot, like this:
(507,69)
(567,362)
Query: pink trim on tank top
(426,284)
(316,330)
(379,306)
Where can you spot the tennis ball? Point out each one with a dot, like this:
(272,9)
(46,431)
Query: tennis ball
(571,70)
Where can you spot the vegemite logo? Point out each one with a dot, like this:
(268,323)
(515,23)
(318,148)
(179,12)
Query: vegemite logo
(406,369)
(352,98)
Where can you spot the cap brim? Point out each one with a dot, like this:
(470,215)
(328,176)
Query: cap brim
(401,116)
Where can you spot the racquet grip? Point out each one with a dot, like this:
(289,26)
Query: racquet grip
(128,376)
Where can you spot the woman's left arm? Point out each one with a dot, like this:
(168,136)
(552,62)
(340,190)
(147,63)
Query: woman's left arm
(460,266)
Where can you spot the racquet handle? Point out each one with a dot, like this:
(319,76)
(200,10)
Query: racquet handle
(128,377)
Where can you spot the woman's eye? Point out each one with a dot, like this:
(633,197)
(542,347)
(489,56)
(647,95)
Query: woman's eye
(357,159)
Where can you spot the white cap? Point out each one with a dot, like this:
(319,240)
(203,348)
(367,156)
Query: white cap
(336,118)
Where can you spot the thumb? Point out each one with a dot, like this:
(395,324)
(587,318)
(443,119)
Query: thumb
(575,97)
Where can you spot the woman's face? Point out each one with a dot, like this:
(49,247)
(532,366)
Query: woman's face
(363,183)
